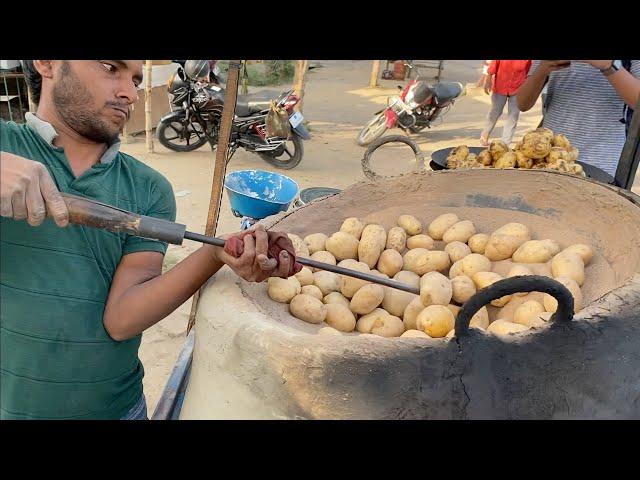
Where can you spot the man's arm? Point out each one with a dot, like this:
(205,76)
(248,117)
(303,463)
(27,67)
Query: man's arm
(625,84)
(530,90)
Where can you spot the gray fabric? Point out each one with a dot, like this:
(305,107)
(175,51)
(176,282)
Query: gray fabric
(138,411)
(497,106)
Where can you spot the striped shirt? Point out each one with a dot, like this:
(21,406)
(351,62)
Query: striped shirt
(584,106)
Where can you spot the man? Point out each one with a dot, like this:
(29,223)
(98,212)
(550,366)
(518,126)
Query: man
(75,300)
(585,100)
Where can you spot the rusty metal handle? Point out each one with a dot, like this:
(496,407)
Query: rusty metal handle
(509,286)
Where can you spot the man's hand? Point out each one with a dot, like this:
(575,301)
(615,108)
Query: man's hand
(599,64)
(27,192)
(549,66)
(253,264)
(487,87)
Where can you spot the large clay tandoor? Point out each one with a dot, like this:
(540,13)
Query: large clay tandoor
(253,360)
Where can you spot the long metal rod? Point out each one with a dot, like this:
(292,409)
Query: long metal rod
(321,265)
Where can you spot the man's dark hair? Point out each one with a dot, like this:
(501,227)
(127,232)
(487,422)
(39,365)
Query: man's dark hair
(34,80)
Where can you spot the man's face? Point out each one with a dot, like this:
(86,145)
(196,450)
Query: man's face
(94,97)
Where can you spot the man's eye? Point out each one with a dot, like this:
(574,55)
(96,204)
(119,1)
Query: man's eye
(109,67)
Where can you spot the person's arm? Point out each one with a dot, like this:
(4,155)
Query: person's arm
(626,85)
(492,70)
(530,90)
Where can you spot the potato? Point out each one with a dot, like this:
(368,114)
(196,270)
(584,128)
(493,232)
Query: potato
(308,308)
(411,313)
(414,334)
(451,334)
(410,224)
(556,154)
(456,269)
(367,299)
(349,285)
(533,251)
(485,158)
(397,239)
(435,320)
(478,242)
(535,146)
(500,247)
(441,224)
(523,161)
(327,282)
(474,263)
(379,322)
(502,327)
(454,309)
(527,313)
(340,317)
(568,264)
(462,288)
(561,141)
(420,241)
(298,245)
(396,301)
(353,226)
(305,276)
(313,291)
(518,230)
(372,243)
(457,251)
(480,319)
(457,155)
(545,132)
(390,262)
(379,274)
(545,316)
(323,256)
(336,298)
(551,245)
(415,259)
(517,271)
(484,279)
(328,331)
(435,289)
(551,304)
(283,289)
(497,149)
(459,232)
(507,160)
(508,311)
(573,154)
(421,261)
(577,169)
(316,242)
(342,246)
(585,251)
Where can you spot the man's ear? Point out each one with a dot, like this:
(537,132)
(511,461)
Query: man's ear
(44,68)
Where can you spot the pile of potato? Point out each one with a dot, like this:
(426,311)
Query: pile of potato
(539,148)
(449,262)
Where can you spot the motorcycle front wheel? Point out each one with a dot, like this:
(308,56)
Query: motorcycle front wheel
(287,157)
(180,136)
(372,130)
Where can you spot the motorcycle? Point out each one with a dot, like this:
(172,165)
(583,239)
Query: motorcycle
(415,109)
(196,114)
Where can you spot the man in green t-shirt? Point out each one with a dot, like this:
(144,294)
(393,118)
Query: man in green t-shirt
(75,300)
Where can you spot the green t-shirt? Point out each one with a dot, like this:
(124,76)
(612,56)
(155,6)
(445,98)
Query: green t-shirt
(57,361)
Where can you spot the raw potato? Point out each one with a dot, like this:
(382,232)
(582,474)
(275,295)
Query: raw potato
(585,251)
(456,269)
(327,282)
(283,289)
(522,161)
(410,224)
(313,291)
(478,242)
(396,301)
(497,149)
(535,145)
(484,279)
(485,158)
(328,331)
(501,246)
(573,154)
(533,251)
(507,160)
(551,245)
(435,289)
(397,239)
(342,246)
(367,299)
(305,276)
(340,317)
(349,285)
(480,319)
(455,309)
(474,263)
(372,243)
(519,270)
(366,322)
(336,298)
(411,313)
(323,256)
(518,230)
(436,321)
(463,288)
(354,226)
(527,314)
(459,232)
(568,264)
(441,224)
(316,242)
(457,251)
(298,245)
(562,141)
(551,304)
(502,327)
(308,308)
(420,241)
(451,334)
(415,259)
(391,326)
(414,334)
(508,311)
(390,262)
(421,261)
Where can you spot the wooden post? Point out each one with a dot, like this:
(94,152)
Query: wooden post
(299,80)
(375,70)
(32,106)
(147,105)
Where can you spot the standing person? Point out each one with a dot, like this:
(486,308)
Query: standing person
(585,100)
(504,77)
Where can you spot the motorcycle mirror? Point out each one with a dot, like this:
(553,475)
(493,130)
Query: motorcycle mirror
(181,74)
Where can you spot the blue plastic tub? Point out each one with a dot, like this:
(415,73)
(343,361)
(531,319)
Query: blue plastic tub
(258,193)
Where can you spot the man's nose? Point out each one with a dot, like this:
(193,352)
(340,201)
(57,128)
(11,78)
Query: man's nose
(128,91)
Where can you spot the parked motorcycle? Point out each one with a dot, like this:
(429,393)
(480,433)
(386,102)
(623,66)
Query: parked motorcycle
(415,109)
(196,114)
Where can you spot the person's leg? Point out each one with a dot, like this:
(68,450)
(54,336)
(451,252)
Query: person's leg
(497,105)
(512,120)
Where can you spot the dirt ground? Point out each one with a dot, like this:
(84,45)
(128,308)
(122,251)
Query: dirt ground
(337,104)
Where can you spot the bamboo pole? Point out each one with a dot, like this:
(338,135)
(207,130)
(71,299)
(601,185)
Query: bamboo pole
(375,70)
(148,125)
(299,81)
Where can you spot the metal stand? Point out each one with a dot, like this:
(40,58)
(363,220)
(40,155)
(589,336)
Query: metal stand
(630,156)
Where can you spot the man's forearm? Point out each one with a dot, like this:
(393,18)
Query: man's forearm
(530,90)
(627,86)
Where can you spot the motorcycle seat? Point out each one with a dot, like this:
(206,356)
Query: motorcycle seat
(247,105)
(445,91)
